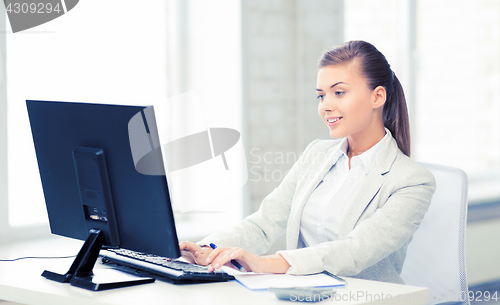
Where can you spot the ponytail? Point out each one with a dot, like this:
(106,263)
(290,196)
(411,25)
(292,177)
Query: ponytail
(395,115)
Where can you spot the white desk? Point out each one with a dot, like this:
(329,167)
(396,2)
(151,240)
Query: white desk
(21,282)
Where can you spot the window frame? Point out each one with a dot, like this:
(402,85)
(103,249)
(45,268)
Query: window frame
(4,213)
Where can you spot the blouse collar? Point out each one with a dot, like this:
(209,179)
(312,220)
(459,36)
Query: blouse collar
(368,157)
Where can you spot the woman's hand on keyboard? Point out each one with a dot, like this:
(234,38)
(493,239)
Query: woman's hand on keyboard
(250,261)
(194,253)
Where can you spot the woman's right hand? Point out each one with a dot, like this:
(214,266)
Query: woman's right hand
(194,253)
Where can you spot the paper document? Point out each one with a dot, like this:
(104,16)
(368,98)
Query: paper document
(262,281)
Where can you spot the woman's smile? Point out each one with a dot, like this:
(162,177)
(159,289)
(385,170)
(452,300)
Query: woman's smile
(332,121)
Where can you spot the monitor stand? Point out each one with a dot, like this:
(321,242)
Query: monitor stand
(80,273)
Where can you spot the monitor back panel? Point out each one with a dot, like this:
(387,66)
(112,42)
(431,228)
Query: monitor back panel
(142,202)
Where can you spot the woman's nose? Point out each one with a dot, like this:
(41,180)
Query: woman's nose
(327,104)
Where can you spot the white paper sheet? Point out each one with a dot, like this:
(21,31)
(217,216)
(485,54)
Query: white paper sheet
(262,281)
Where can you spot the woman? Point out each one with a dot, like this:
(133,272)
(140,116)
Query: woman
(349,206)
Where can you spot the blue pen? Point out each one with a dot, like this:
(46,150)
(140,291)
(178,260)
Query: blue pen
(233,261)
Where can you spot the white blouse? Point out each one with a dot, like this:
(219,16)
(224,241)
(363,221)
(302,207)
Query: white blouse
(325,209)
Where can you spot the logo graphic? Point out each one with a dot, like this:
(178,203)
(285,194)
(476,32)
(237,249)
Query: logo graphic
(25,15)
(203,167)
(181,153)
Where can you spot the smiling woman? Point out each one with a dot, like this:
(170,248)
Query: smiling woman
(347,106)
(360,60)
(349,206)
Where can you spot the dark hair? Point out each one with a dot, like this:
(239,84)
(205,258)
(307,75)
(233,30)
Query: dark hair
(377,72)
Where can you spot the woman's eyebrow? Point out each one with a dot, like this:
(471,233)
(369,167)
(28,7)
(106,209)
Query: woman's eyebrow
(337,84)
(333,85)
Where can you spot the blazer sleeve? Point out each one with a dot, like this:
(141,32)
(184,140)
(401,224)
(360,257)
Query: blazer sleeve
(257,232)
(388,229)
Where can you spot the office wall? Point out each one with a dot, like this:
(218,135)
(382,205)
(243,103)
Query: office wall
(282,41)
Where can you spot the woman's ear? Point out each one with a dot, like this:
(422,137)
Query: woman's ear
(380,96)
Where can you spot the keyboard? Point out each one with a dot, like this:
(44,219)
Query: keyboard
(171,270)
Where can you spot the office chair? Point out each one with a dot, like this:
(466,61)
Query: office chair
(436,254)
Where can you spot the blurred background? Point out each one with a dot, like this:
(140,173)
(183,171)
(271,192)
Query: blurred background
(253,65)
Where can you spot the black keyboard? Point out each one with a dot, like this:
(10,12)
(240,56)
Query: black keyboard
(174,271)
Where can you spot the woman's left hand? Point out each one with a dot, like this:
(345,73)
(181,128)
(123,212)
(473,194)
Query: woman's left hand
(250,261)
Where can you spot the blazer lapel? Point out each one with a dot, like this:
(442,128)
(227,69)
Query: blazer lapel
(371,186)
(318,172)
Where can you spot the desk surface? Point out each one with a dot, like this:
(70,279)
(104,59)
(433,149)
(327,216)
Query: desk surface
(21,282)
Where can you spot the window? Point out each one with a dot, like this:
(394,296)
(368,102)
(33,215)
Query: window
(72,59)
(204,47)
(446,55)
(458,97)
(127,61)
(386,29)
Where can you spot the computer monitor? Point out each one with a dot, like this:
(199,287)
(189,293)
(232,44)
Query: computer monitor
(92,188)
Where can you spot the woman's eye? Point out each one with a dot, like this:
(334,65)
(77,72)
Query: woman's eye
(339,93)
(320,97)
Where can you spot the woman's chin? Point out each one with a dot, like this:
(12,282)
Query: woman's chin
(334,134)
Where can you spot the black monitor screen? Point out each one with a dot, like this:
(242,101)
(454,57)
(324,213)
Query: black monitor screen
(86,163)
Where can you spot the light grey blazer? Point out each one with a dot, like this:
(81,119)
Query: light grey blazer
(375,232)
